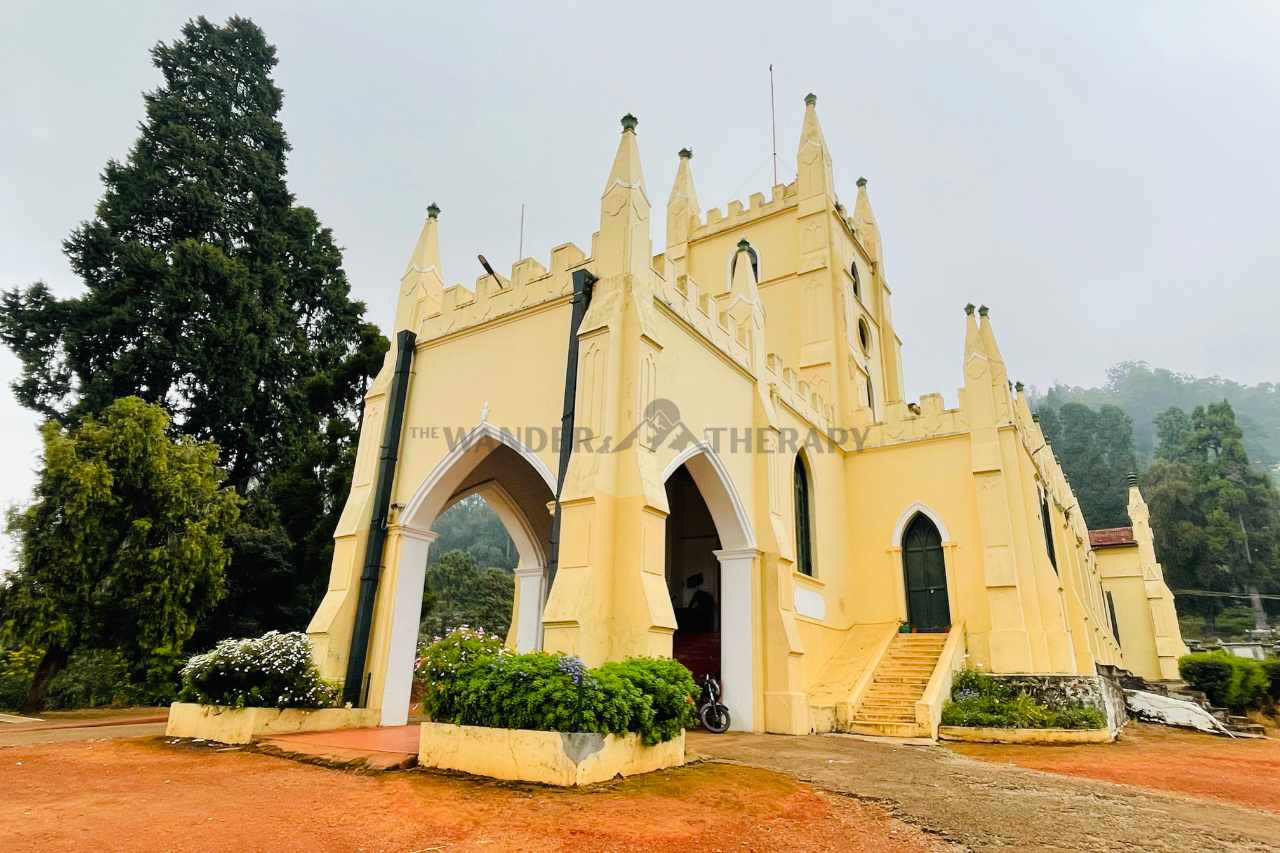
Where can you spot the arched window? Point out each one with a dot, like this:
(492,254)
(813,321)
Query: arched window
(1048,529)
(857,282)
(871,394)
(864,335)
(804,521)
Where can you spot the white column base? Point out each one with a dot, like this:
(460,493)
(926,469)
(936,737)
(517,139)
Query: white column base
(406,615)
(737,635)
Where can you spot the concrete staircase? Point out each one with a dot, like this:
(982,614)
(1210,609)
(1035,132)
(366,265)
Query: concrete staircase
(888,708)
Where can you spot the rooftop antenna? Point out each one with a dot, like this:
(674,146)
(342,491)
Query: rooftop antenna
(520,254)
(773,126)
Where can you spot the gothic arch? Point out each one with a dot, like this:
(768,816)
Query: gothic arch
(436,492)
(733,521)
(909,513)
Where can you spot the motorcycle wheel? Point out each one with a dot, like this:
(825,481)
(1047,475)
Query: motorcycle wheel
(715,718)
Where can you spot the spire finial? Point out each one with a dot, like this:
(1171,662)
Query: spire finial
(862,182)
(1133,479)
(983,310)
(629,123)
(968,309)
(1018,386)
(810,99)
(433,211)
(686,153)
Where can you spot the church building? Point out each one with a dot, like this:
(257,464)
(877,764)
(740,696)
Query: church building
(706,452)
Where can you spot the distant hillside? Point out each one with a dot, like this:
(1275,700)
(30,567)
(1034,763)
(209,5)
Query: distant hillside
(1143,391)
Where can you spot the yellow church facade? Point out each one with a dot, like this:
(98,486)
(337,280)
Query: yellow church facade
(706,452)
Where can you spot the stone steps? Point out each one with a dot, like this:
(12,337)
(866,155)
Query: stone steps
(889,707)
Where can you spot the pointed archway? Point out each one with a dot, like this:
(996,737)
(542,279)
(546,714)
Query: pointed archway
(924,570)
(517,486)
(703,491)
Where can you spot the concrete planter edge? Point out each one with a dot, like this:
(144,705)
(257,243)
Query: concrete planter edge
(566,759)
(224,724)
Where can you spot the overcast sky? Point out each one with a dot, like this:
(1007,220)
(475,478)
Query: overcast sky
(1103,175)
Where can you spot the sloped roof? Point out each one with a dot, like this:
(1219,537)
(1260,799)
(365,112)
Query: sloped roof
(1112,537)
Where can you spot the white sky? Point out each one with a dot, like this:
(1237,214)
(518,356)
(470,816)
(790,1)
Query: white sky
(1103,175)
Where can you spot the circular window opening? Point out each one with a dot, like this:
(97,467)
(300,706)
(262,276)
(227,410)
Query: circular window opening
(864,335)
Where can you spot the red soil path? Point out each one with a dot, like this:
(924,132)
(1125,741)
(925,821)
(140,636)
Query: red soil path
(150,795)
(1243,772)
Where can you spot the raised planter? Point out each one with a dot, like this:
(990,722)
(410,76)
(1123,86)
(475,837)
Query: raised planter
(1046,737)
(243,725)
(552,758)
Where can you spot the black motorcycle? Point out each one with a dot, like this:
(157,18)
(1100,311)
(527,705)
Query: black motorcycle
(713,714)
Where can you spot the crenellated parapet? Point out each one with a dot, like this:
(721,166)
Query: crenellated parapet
(904,423)
(716,221)
(698,308)
(799,395)
(530,286)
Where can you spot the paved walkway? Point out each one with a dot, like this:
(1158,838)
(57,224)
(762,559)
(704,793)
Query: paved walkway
(986,806)
(382,748)
(67,726)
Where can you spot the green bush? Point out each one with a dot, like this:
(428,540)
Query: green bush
(92,679)
(468,678)
(271,671)
(668,683)
(17,667)
(980,700)
(1227,680)
(1271,666)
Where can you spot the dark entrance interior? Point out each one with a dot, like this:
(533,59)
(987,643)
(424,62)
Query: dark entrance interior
(925,572)
(693,576)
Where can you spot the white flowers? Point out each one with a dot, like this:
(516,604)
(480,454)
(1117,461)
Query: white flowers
(253,671)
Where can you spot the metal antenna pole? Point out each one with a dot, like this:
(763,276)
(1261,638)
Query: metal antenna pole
(520,254)
(773,125)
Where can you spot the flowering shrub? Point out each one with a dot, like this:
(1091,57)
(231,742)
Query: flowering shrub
(271,671)
(470,679)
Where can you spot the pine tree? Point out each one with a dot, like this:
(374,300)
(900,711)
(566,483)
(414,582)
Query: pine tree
(1095,449)
(208,291)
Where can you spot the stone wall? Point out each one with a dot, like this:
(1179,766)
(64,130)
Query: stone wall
(1060,691)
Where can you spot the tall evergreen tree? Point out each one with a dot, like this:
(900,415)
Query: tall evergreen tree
(210,292)
(1095,449)
(1216,518)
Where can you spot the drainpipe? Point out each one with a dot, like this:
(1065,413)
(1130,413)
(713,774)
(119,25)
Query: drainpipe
(353,688)
(583,282)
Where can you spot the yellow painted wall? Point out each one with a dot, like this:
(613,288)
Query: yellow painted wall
(774,359)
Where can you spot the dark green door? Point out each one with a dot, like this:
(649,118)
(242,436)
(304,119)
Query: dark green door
(925,571)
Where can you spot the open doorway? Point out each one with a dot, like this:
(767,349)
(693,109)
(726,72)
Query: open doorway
(693,576)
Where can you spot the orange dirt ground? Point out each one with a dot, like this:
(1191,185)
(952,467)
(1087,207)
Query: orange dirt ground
(1244,772)
(151,795)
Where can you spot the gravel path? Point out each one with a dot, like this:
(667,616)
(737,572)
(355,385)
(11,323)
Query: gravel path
(980,806)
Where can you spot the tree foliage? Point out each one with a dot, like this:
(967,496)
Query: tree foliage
(209,292)
(1095,449)
(123,545)
(1216,518)
(471,526)
(1143,392)
(461,592)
